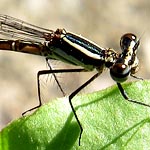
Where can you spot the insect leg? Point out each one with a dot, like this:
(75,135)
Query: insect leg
(124,94)
(60,87)
(73,94)
(140,78)
(42,72)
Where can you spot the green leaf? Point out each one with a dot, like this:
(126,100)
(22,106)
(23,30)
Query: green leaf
(108,121)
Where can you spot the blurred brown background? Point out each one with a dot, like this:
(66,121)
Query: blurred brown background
(101,21)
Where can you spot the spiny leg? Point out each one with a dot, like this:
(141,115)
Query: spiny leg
(124,94)
(60,87)
(42,72)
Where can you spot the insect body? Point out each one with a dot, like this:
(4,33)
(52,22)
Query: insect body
(72,49)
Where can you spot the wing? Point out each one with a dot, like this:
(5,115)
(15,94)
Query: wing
(17,29)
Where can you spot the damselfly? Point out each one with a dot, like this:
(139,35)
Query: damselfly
(72,49)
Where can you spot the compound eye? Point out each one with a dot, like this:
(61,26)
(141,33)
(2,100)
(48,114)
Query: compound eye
(119,72)
(129,40)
